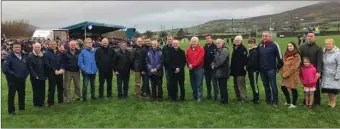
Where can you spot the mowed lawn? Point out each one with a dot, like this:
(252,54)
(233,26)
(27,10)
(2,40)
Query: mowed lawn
(142,113)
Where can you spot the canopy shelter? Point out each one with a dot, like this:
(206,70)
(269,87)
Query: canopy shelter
(91,28)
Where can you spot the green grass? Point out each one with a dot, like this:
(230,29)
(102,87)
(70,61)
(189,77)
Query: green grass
(142,113)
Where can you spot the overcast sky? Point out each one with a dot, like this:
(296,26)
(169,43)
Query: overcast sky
(147,15)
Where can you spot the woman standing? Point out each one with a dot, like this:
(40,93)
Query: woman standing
(290,73)
(331,71)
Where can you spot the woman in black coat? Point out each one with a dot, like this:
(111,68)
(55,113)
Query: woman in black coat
(237,68)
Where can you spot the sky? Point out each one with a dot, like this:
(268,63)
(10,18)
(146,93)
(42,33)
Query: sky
(144,15)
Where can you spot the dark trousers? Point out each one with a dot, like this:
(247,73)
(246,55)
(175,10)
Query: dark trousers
(16,85)
(167,81)
(253,79)
(86,79)
(146,84)
(108,77)
(287,96)
(156,86)
(317,94)
(222,83)
(123,85)
(208,79)
(53,82)
(177,80)
(269,82)
(38,88)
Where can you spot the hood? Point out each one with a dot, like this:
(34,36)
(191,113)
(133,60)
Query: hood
(335,49)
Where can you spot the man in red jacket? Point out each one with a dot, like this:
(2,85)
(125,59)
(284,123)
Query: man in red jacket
(195,61)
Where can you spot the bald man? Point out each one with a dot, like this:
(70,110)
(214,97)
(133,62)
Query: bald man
(37,66)
(138,59)
(70,62)
(105,57)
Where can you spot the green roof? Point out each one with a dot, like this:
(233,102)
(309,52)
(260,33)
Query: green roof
(96,27)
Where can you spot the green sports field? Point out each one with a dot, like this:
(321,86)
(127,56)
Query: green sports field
(142,113)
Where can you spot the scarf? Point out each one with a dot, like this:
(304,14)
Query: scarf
(266,43)
(288,54)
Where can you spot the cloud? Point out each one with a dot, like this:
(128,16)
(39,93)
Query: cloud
(148,15)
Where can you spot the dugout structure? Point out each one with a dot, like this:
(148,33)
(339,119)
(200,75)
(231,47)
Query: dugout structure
(91,29)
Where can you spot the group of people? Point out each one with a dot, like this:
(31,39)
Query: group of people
(315,67)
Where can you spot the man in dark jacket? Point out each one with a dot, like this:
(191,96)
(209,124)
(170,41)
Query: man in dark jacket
(55,76)
(165,51)
(237,68)
(209,49)
(16,72)
(270,60)
(138,59)
(176,71)
(154,62)
(220,67)
(145,77)
(315,55)
(253,69)
(105,59)
(122,70)
(38,69)
(70,65)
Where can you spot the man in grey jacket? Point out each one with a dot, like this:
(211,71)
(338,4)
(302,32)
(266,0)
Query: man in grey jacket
(314,54)
(220,67)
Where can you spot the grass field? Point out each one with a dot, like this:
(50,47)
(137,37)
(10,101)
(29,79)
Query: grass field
(142,113)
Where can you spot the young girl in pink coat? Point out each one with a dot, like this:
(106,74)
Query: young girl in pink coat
(308,79)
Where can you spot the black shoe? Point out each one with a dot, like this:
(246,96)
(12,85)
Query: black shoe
(21,109)
(100,97)
(84,100)
(50,105)
(110,97)
(224,102)
(78,99)
(94,98)
(152,100)
(209,97)
(12,114)
(256,102)
(160,99)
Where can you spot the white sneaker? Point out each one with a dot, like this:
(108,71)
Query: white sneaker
(292,106)
(287,104)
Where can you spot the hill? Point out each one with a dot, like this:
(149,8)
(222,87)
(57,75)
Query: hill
(325,14)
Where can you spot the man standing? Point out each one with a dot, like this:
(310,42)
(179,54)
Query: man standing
(176,71)
(270,60)
(315,55)
(165,51)
(237,68)
(122,70)
(70,64)
(195,60)
(138,59)
(144,71)
(209,49)
(16,72)
(105,59)
(38,69)
(220,67)
(87,64)
(55,76)
(154,60)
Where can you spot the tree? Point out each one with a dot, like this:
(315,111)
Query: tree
(149,34)
(163,34)
(138,34)
(181,33)
(17,28)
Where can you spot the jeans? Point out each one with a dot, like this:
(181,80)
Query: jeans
(208,79)
(86,79)
(146,84)
(269,82)
(196,81)
(108,77)
(253,79)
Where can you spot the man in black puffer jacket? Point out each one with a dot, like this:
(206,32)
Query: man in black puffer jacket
(209,49)
(253,69)
(105,60)
(138,59)
(220,67)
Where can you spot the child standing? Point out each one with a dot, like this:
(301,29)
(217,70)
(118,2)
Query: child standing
(308,79)
(253,69)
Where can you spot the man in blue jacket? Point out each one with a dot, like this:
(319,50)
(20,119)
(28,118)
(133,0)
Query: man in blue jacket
(16,72)
(87,64)
(270,60)
(55,75)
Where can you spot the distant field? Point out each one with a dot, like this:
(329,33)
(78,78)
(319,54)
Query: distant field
(135,113)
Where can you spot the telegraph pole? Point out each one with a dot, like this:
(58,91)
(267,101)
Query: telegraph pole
(232,25)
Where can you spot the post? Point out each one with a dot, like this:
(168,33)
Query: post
(85,33)
(270,26)
(232,25)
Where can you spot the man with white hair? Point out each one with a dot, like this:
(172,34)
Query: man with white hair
(270,60)
(70,64)
(237,70)
(37,66)
(195,60)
